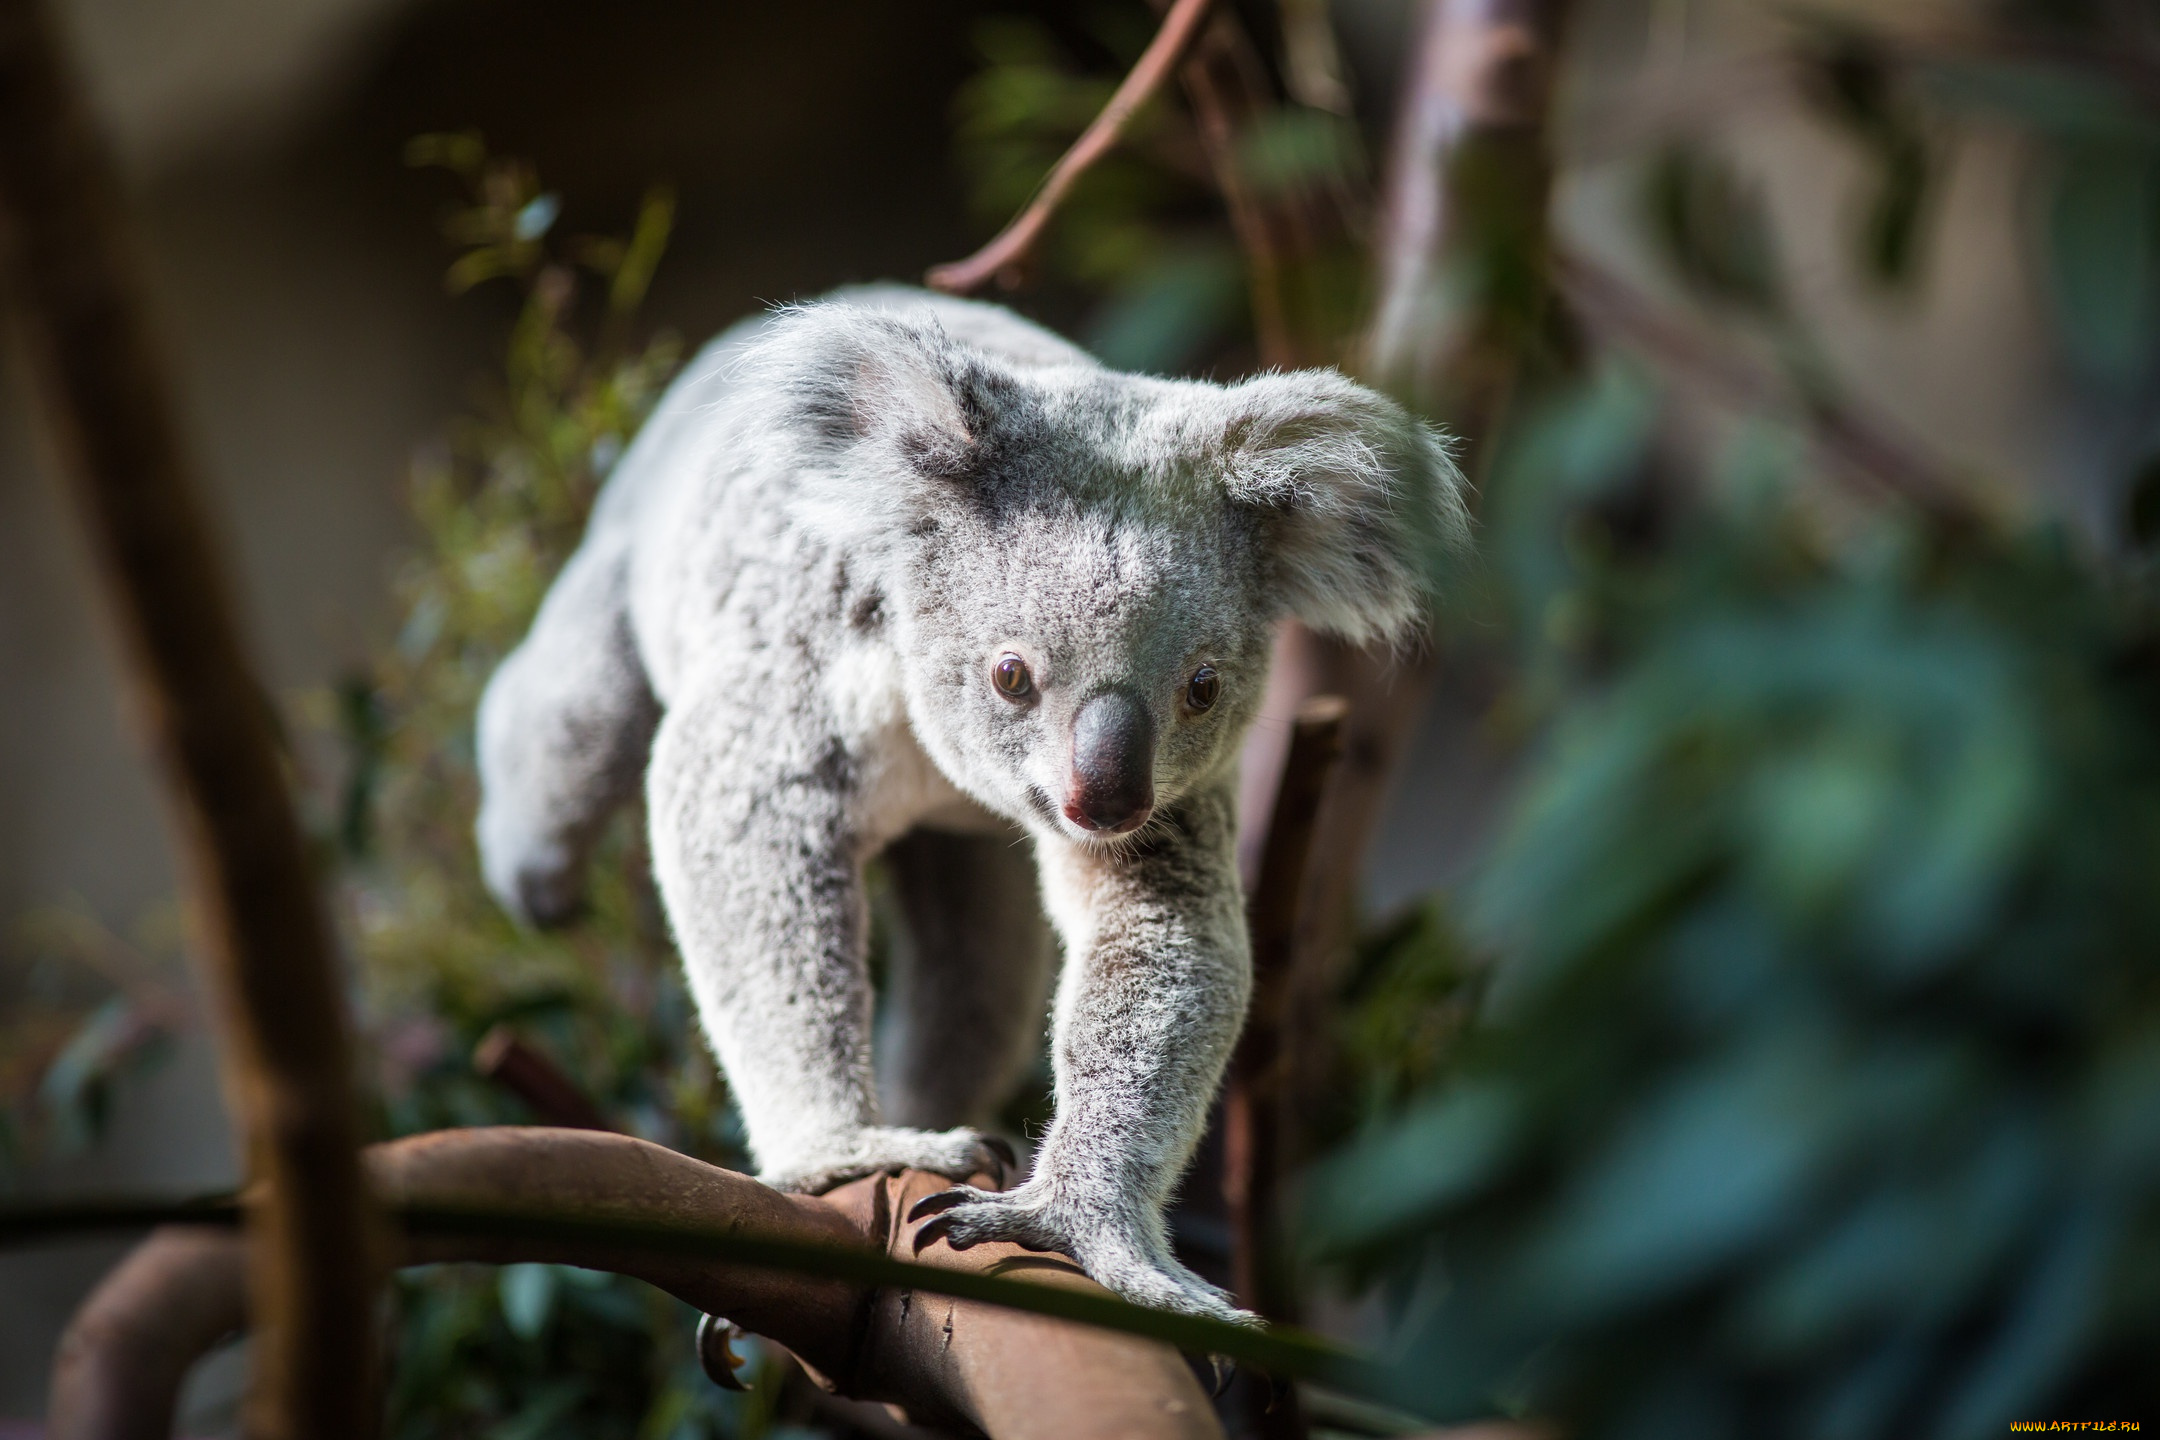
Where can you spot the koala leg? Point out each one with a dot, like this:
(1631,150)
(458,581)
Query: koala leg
(1157,973)
(563,731)
(970,980)
(761,872)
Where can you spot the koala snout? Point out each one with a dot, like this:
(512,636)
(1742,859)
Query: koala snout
(1112,789)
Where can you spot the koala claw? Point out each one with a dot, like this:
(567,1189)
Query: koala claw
(964,1217)
(941,1224)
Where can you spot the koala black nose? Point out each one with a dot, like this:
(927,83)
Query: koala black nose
(1113,768)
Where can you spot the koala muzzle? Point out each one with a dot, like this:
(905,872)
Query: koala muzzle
(1112,789)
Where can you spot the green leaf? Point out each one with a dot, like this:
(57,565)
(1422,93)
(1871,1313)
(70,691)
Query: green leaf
(641,257)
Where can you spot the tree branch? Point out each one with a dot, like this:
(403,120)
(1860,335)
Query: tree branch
(122,1359)
(1284,231)
(267,953)
(1002,256)
(824,1276)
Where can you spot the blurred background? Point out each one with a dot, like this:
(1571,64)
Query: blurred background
(1751,1024)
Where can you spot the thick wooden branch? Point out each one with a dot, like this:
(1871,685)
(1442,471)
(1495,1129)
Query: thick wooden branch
(1002,257)
(267,952)
(947,1361)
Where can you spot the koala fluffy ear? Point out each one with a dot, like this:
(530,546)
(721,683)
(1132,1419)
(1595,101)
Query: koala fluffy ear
(1361,503)
(849,377)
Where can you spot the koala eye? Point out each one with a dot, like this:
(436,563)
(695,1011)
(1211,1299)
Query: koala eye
(1201,690)
(1011,677)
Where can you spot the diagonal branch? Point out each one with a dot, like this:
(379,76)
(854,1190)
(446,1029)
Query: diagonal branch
(1010,246)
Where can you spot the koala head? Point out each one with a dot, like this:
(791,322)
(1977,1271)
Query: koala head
(1082,569)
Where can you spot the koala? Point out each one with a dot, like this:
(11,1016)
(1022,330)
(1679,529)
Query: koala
(904,575)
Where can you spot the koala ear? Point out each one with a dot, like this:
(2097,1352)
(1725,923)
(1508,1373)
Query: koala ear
(1361,503)
(848,378)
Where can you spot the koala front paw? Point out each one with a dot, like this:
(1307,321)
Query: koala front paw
(955,1154)
(1125,1264)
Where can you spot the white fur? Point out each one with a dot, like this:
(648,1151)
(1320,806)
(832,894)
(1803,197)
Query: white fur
(786,612)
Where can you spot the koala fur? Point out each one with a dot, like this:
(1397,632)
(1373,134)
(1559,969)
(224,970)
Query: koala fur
(791,615)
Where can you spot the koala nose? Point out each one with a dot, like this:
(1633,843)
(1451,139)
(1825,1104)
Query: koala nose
(1113,766)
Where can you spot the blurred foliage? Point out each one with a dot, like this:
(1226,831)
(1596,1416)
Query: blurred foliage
(81,1008)
(1144,257)
(1711,226)
(1815,1079)
(1791,1066)
(524,1351)
(1408,998)
(2079,81)
(1140,244)
(1858,89)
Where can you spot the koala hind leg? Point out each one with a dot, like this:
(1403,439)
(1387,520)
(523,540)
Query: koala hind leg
(971,977)
(564,729)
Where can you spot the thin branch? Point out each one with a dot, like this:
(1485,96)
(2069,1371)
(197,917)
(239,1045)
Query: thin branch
(268,958)
(1220,83)
(1253,1112)
(1002,256)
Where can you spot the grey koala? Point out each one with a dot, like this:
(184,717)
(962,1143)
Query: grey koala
(896,573)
